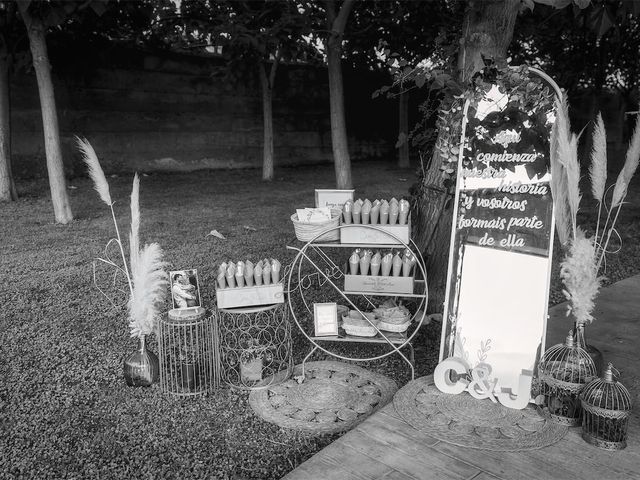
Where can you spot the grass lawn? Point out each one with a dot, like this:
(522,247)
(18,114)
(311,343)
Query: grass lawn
(65,410)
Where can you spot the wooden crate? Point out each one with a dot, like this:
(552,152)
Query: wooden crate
(378,284)
(250,296)
(364,234)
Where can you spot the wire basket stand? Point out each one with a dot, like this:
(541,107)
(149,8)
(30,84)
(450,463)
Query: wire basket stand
(255,346)
(189,353)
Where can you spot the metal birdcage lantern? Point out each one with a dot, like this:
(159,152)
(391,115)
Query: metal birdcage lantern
(564,370)
(606,406)
(189,352)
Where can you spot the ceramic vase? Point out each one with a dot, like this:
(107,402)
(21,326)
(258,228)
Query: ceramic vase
(141,368)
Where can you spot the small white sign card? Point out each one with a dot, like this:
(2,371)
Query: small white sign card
(325,317)
(333,198)
(314,215)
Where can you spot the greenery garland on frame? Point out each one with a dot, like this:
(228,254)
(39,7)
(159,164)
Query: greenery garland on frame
(527,92)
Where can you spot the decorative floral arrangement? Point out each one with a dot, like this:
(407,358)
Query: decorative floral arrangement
(146,277)
(584,256)
(252,350)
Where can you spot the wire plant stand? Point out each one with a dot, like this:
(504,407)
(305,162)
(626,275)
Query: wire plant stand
(189,355)
(312,265)
(255,346)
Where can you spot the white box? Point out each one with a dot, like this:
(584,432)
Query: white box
(249,296)
(363,234)
(378,284)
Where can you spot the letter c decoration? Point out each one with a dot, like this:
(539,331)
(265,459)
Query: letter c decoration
(442,379)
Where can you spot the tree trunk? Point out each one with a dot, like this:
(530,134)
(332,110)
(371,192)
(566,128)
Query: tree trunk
(339,142)
(487,30)
(267,118)
(403,130)
(7,186)
(55,167)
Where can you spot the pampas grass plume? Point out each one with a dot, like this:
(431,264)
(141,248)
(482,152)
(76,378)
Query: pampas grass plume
(629,168)
(149,289)
(598,168)
(572,168)
(567,155)
(560,149)
(579,274)
(134,236)
(95,170)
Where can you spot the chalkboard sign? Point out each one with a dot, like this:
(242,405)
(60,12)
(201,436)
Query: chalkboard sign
(502,235)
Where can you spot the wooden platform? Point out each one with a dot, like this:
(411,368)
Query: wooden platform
(386,447)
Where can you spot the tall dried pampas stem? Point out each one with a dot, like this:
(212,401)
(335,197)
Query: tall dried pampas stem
(572,169)
(598,168)
(622,184)
(149,288)
(559,135)
(95,170)
(629,168)
(134,236)
(102,187)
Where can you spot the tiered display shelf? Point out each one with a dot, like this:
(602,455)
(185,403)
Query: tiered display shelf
(314,270)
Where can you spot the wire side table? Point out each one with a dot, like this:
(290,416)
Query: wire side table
(255,346)
(188,353)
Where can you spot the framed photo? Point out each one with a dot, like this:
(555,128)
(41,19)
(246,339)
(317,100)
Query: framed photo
(325,318)
(185,289)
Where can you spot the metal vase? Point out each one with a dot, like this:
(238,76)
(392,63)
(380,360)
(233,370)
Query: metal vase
(189,375)
(141,368)
(594,353)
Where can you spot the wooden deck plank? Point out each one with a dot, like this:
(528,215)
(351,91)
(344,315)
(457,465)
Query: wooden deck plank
(570,457)
(484,476)
(394,428)
(425,463)
(357,464)
(588,458)
(318,469)
(507,465)
(395,475)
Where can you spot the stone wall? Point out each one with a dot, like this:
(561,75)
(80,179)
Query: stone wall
(150,112)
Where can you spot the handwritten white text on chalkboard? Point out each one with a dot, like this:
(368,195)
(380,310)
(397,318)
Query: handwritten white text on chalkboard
(501,223)
(507,157)
(503,203)
(512,240)
(488,172)
(517,187)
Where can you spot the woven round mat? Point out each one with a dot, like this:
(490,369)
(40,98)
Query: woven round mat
(465,421)
(333,397)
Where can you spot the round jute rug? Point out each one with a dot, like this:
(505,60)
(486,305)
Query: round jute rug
(465,421)
(333,397)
